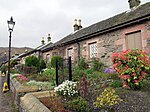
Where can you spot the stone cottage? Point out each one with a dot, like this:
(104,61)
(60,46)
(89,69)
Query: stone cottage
(128,30)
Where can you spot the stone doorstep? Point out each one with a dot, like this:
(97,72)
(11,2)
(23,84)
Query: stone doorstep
(29,103)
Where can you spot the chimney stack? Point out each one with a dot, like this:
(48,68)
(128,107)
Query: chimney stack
(42,41)
(49,38)
(76,27)
(79,24)
(134,3)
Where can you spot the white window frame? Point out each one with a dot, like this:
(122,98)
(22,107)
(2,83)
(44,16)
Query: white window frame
(93,50)
(69,52)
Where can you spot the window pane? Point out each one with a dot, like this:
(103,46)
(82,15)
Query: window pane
(93,50)
(70,52)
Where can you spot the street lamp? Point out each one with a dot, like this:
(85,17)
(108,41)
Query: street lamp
(11,25)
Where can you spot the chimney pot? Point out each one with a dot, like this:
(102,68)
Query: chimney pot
(49,38)
(79,24)
(76,27)
(134,3)
(42,41)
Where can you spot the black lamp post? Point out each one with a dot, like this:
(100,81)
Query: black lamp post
(11,24)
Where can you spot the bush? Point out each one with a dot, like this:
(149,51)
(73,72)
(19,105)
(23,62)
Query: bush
(13,71)
(59,59)
(83,86)
(77,73)
(42,64)
(97,65)
(82,64)
(107,98)
(132,66)
(32,61)
(116,83)
(67,88)
(50,73)
(13,63)
(78,105)
(29,70)
(46,85)
(4,68)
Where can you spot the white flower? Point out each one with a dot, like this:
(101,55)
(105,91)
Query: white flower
(67,88)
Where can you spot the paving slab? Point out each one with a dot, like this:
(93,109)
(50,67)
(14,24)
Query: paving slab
(4,103)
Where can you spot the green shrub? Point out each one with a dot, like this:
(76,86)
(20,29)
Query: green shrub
(4,68)
(32,61)
(13,63)
(77,73)
(13,71)
(42,64)
(82,64)
(46,85)
(93,75)
(116,83)
(132,66)
(105,76)
(97,65)
(89,71)
(59,59)
(145,85)
(78,105)
(49,73)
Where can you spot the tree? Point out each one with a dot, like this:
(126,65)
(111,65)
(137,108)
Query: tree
(32,61)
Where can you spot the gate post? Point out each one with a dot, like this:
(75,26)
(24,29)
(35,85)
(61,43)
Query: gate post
(57,72)
(70,69)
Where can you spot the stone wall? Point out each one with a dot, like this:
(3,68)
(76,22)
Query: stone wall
(18,91)
(26,98)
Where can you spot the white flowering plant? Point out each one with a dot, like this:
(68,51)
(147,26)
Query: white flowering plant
(67,88)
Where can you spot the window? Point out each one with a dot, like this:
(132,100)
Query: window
(133,40)
(69,52)
(93,50)
(47,58)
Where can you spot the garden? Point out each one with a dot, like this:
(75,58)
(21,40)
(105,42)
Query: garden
(94,87)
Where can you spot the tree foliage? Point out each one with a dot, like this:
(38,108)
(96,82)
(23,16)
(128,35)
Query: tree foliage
(59,59)
(32,61)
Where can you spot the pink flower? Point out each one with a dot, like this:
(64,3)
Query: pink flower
(134,74)
(136,81)
(125,77)
(144,74)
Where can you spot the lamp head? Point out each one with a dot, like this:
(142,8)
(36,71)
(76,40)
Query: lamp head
(11,24)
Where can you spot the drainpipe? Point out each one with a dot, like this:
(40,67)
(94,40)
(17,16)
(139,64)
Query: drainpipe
(78,50)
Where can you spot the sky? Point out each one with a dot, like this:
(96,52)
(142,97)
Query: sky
(35,19)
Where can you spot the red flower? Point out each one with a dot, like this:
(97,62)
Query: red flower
(136,81)
(115,65)
(134,74)
(144,74)
(125,77)
(140,78)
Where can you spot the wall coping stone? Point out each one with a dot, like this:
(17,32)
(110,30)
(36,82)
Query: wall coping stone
(29,103)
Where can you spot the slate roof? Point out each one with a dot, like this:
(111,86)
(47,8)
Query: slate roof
(138,14)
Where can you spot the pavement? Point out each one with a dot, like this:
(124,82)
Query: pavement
(5,100)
